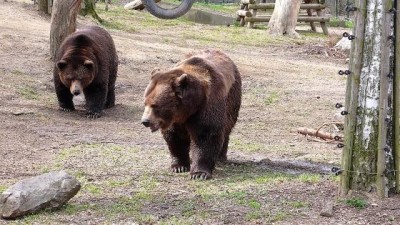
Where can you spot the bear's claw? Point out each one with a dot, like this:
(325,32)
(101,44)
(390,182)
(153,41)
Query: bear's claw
(93,115)
(179,169)
(64,109)
(200,176)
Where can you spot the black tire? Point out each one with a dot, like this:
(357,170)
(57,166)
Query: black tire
(173,13)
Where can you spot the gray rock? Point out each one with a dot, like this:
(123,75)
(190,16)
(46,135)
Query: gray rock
(327,211)
(50,190)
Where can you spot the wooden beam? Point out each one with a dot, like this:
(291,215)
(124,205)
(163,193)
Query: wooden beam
(244,13)
(382,181)
(396,107)
(265,6)
(299,19)
(352,88)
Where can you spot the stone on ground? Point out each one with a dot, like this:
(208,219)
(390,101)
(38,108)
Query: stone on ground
(47,191)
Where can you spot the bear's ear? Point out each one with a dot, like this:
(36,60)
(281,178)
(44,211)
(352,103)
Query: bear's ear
(61,64)
(88,64)
(180,84)
(154,72)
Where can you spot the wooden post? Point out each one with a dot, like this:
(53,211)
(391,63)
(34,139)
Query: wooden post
(367,159)
(309,13)
(353,82)
(385,109)
(323,24)
(254,14)
(396,94)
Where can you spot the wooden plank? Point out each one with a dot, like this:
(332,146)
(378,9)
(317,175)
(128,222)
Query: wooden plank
(299,19)
(244,13)
(265,6)
(381,178)
(248,1)
(396,107)
(353,82)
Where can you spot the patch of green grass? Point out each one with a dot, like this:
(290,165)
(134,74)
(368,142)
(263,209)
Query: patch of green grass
(254,204)
(337,22)
(356,203)
(278,217)
(17,72)
(93,189)
(310,178)
(28,92)
(245,146)
(298,204)
(2,188)
(273,178)
(253,215)
(272,98)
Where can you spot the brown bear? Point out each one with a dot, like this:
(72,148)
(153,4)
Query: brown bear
(87,63)
(195,104)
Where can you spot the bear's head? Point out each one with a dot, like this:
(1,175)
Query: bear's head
(76,68)
(76,74)
(171,97)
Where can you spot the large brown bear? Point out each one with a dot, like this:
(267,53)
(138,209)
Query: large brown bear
(87,63)
(196,105)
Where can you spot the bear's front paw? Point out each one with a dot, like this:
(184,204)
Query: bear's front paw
(65,109)
(200,176)
(93,115)
(179,169)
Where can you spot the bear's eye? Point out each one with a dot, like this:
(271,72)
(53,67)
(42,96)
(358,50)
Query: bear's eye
(154,106)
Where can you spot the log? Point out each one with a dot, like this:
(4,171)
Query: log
(317,133)
(248,1)
(265,6)
(299,19)
(244,13)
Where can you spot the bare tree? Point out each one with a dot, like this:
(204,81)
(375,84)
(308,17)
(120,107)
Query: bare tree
(63,22)
(284,18)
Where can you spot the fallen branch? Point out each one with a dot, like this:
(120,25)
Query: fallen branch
(318,133)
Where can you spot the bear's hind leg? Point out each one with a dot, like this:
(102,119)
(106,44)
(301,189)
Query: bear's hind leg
(178,142)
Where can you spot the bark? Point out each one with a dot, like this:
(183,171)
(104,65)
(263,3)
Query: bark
(367,156)
(43,6)
(90,8)
(63,22)
(284,18)
(396,106)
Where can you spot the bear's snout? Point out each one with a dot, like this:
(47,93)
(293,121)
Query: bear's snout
(76,88)
(76,92)
(146,122)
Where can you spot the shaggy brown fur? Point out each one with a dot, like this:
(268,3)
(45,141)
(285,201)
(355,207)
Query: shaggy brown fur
(86,62)
(196,105)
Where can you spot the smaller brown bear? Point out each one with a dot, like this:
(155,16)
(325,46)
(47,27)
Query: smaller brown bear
(195,104)
(87,63)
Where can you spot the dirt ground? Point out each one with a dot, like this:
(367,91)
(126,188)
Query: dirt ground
(274,175)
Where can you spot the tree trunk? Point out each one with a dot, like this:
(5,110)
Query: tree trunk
(90,8)
(367,159)
(284,18)
(63,22)
(43,6)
